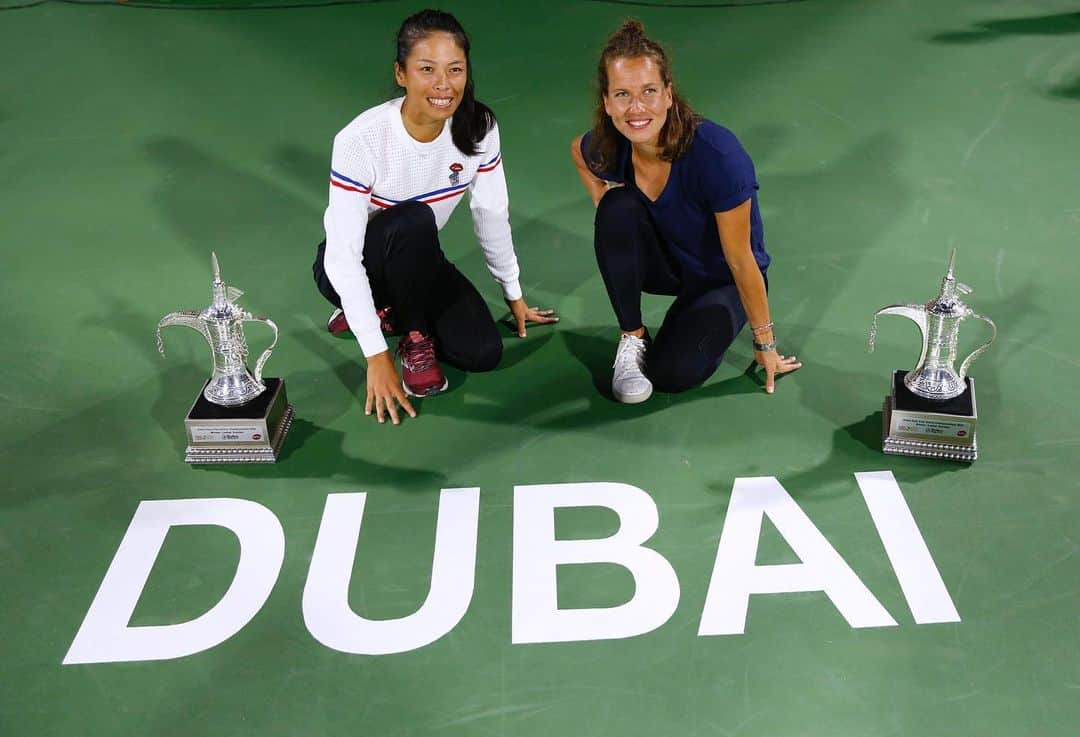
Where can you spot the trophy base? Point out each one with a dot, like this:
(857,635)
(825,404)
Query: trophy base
(250,433)
(924,428)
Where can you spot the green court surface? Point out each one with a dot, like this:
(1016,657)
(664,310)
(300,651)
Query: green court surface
(134,141)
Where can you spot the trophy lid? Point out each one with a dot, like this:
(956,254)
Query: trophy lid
(224,296)
(948,302)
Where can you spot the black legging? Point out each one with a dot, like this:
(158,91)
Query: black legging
(409,273)
(703,320)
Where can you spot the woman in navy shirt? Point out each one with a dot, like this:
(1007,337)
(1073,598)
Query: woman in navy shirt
(676,214)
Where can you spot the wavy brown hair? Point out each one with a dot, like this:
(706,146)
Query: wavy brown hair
(630,42)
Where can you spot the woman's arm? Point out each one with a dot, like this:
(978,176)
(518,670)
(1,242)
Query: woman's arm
(351,179)
(489,203)
(593,185)
(734,228)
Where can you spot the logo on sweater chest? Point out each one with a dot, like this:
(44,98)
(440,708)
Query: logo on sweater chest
(455,173)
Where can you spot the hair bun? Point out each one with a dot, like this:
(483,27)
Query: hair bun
(631,27)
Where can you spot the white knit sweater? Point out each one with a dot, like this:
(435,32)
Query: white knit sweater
(376,164)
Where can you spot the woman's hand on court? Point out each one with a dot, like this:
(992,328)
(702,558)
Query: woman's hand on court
(384,390)
(523,314)
(775,365)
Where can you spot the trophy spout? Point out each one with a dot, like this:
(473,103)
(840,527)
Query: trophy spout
(915,313)
(187,318)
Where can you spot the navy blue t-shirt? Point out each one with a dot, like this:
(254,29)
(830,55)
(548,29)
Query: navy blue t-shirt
(714,175)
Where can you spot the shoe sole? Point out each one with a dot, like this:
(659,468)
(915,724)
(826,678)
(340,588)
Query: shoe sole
(631,398)
(330,324)
(430,392)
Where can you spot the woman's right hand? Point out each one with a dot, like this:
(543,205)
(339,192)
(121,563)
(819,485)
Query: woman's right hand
(384,389)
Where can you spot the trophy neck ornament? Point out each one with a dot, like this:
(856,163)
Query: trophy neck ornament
(222,325)
(939,322)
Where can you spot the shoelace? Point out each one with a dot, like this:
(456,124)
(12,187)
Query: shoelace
(419,352)
(630,351)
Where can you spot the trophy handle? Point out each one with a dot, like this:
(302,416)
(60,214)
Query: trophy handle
(265,354)
(978,351)
(187,318)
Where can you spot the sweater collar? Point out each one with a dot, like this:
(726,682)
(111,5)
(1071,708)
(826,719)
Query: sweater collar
(398,126)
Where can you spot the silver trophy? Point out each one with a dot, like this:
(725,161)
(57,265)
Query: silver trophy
(238,418)
(931,409)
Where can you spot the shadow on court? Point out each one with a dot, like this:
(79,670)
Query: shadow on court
(211,203)
(855,447)
(1058,24)
(1070,90)
(310,450)
(822,225)
(79,452)
(573,395)
(341,354)
(594,350)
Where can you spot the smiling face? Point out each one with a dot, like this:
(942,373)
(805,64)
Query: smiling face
(637,100)
(434,77)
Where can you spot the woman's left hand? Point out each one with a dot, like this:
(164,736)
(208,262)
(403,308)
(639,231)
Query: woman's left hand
(774,365)
(523,314)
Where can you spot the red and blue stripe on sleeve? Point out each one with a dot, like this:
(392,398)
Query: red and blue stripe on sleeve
(343,182)
(490,164)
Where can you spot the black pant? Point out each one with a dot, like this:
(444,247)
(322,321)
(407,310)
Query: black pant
(409,273)
(703,320)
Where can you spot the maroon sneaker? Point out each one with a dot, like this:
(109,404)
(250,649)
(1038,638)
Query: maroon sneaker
(337,323)
(386,322)
(420,372)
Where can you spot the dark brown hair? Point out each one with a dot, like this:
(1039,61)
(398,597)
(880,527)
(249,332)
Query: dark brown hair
(473,119)
(630,42)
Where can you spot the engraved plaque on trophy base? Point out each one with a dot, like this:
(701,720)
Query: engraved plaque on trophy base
(250,433)
(914,426)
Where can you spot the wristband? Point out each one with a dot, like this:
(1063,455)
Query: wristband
(761,328)
(764,346)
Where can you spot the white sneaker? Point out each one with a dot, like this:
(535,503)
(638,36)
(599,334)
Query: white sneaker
(629,383)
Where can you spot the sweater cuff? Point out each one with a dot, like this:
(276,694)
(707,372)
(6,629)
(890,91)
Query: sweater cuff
(512,290)
(372,342)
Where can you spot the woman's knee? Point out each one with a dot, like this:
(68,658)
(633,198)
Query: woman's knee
(483,354)
(619,207)
(673,376)
(488,355)
(411,218)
